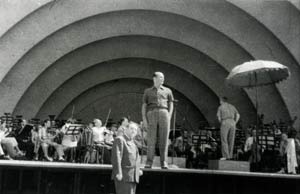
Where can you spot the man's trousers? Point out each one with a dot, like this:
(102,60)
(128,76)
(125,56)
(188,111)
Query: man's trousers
(123,187)
(227,137)
(158,125)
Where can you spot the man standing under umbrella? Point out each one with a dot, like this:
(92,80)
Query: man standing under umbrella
(228,116)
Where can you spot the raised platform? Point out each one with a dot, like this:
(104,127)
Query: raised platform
(59,166)
(52,177)
(229,165)
(176,161)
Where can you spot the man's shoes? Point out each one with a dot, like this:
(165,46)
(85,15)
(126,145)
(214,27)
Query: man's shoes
(20,154)
(148,166)
(282,171)
(5,157)
(222,158)
(165,167)
(48,159)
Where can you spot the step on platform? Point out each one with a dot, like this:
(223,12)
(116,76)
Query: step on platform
(178,162)
(229,165)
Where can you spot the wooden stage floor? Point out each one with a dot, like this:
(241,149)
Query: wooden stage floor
(59,177)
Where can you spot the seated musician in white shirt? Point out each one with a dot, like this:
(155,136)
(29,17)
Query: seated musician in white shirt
(98,132)
(46,140)
(99,139)
(252,149)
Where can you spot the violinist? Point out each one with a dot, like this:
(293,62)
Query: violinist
(109,135)
(99,133)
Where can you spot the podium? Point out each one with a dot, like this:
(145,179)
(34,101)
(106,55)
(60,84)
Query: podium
(230,165)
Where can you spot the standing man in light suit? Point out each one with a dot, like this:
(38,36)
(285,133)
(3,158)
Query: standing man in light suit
(126,161)
(157,111)
(228,117)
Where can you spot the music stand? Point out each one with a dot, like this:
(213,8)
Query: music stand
(195,140)
(74,129)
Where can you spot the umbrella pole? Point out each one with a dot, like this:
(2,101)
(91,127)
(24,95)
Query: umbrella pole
(257,122)
(256,100)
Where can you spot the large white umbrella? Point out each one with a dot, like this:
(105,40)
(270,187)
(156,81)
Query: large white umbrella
(257,73)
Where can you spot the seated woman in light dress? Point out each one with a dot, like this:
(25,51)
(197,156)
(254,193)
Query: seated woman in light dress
(68,141)
(47,140)
(9,144)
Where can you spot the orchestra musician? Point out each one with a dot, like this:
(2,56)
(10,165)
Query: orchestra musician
(114,130)
(123,125)
(10,144)
(68,141)
(36,141)
(4,156)
(99,133)
(109,136)
(86,141)
(211,141)
(22,125)
(139,139)
(46,140)
(253,151)
(23,136)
